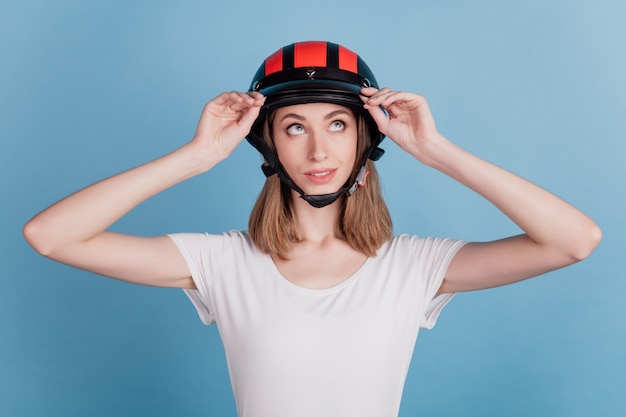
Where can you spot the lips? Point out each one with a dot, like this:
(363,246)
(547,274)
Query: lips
(321,176)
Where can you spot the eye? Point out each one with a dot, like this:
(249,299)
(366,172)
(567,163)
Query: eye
(295,129)
(337,125)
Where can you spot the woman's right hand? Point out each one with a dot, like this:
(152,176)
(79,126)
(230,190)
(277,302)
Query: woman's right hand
(74,230)
(225,121)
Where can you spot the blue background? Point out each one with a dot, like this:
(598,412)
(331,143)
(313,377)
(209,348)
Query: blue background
(91,88)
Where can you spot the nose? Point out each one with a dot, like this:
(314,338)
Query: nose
(317,147)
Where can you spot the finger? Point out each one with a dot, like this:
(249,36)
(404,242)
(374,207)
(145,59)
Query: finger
(248,99)
(230,97)
(256,95)
(385,97)
(368,91)
(249,116)
(379,116)
(381,98)
(376,97)
(371,95)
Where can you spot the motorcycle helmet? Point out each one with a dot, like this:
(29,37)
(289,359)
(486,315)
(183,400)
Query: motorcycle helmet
(311,72)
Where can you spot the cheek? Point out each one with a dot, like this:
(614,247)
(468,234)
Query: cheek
(351,147)
(287,153)
(280,145)
(349,151)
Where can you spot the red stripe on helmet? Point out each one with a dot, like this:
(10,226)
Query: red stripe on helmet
(348,60)
(309,54)
(274,62)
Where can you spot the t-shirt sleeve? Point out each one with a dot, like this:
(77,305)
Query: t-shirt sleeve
(202,252)
(434,257)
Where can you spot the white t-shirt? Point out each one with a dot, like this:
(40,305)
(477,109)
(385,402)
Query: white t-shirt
(297,352)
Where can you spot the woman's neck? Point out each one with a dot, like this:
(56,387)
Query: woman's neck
(315,224)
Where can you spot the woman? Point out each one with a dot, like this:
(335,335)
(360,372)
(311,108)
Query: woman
(318,305)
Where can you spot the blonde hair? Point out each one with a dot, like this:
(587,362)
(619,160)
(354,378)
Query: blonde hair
(363,221)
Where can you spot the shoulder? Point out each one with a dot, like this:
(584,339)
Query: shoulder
(419,244)
(416,250)
(217,244)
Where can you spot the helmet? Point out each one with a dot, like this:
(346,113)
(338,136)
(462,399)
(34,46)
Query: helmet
(310,72)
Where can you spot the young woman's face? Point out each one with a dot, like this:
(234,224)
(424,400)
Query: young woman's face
(316,144)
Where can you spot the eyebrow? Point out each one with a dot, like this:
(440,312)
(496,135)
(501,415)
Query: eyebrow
(330,115)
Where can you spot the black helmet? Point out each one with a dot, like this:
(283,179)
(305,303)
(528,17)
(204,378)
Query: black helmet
(311,72)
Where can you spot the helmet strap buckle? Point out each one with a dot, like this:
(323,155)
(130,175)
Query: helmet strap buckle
(359,181)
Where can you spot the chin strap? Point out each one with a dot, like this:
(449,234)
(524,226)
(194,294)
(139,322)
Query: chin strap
(273,166)
(322,200)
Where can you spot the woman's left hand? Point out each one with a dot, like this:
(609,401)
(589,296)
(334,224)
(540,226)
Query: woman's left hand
(555,233)
(410,123)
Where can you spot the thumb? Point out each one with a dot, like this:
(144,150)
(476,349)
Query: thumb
(248,118)
(380,117)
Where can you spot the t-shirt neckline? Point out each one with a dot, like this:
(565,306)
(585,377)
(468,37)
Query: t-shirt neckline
(278,276)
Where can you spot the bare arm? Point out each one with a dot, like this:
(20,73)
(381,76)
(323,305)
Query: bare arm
(556,234)
(74,230)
